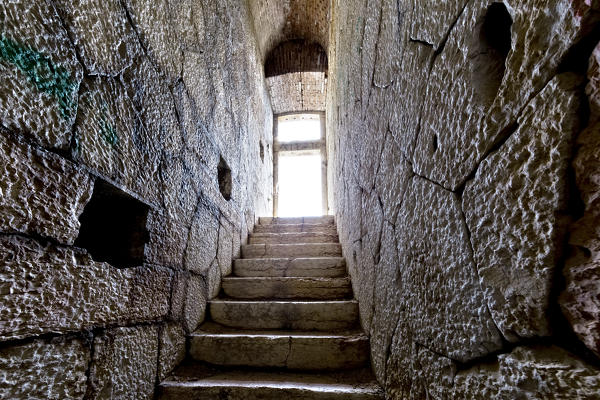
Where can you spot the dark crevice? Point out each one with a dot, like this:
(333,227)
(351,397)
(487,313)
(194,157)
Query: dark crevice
(577,58)
(422,42)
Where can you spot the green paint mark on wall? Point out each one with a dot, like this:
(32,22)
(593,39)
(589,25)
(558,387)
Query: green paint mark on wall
(42,73)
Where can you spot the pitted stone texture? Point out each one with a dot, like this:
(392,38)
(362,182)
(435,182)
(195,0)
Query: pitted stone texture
(445,305)
(54,369)
(287,288)
(400,380)
(290,238)
(57,289)
(203,240)
(300,267)
(431,21)
(452,142)
(39,73)
(304,315)
(158,27)
(298,91)
(279,349)
(167,241)
(514,209)
(194,309)
(41,193)
(110,139)
(292,250)
(171,348)
(124,364)
(104,38)
(530,373)
(225,250)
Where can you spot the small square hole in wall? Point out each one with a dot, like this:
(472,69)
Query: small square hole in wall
(224,175)
(113,226)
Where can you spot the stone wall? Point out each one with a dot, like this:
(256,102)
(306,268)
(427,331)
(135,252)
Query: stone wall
(465,192)
(130,143)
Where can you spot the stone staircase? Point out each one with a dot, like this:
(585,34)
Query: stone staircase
(285,325)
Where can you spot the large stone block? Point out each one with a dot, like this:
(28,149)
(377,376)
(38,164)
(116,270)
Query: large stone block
(41,193)
(39,73)
(536,372)
(44,369)
(124,364)
(167,241)
(515,210)
(57,289)
(225,251)
(194,309)
(445,305)
(203,239)
(486,75)
(171,348)
(432,21)
(101,31)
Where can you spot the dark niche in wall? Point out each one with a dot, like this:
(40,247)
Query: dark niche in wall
(489,49)
(261,151)
(113,226)
(224,175)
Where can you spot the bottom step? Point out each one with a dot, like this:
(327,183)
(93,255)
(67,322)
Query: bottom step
(197,382)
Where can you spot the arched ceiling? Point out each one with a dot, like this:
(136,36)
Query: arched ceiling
(277,21)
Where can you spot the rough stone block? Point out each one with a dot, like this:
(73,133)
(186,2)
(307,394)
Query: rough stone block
(444,303)
(101,31)
(39,73)
(515,211)
(203,239)
(124,364)
(171,348)
(42,193)
(224,251)
(167,241)
(194,309)
(53,369)
(57,289)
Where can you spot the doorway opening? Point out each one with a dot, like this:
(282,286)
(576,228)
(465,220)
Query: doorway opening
(300,165)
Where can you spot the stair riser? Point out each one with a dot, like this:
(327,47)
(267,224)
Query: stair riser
(296,288)
(292,238)
(285,315)
(182,392)
(326,220)
(292,250)
(302,353)
(296,228)
(281,267)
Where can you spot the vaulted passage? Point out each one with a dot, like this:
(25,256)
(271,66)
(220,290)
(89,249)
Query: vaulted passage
(436,164)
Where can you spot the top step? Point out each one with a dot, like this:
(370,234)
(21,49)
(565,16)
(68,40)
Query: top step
(324,220)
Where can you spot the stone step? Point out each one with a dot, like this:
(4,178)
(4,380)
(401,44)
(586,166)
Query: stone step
(218,345)
(295,228)
(291,314)
(325,220)
(298,267)
(292,250)
(195,382)
(295,237)
(287,288)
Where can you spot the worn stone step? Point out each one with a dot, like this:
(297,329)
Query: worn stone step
(299,267)
(287,288)
(292,250)
(196,382)
(295,228)
(219,345)
(290,314)
(291,238)
(325,220)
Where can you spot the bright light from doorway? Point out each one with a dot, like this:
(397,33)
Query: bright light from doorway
(300,185)
(301,128)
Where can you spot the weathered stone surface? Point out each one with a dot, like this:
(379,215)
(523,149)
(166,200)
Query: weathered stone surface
(514,209)
(39,73)
(194,309)
(56,289)
(178,294)
(530,373)
(291,228)
(202,241)
(431,21)
(445,305)
(308,267)
(171,348)
(291,250)
(294,350)
(400,373)
(289,238)
(42,193)
(225,251)
(104,38)
(167,241)
(305,315)
(54,369)
(470,75)
(287,288)
(124,364)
